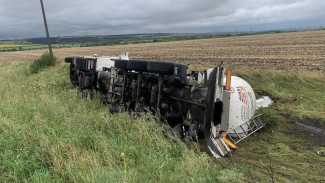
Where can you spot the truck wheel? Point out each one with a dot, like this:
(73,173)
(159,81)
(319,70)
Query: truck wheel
(137,65)
(167,68)
(68,59)
(121,64)
(164,68)
(73,76)
(178,131)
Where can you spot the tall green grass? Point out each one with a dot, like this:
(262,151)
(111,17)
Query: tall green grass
(298,95)
(48,134)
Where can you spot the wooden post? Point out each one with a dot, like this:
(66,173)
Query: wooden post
(47,33)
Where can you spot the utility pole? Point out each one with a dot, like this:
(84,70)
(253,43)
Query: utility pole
(47,33)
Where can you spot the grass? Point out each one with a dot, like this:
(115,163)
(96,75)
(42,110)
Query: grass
(23,47)
(282,152)
(41,63)
(48,134)
(15,45)
(280,157)
(300,96)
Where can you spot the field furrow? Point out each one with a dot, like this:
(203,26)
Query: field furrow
(286,51)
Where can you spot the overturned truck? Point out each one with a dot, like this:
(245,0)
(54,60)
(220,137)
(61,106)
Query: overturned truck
(210,105)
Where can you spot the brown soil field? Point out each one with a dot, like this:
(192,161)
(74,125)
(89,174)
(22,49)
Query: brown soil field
(285,51)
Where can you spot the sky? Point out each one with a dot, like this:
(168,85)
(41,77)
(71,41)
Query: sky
(23,18)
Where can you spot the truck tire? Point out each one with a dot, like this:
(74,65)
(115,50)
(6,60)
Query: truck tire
(167,68)
(81,64)
(181,70)
(137,65)
(164,68)
(178,131)
(73,76)
(69,59)
(121,64)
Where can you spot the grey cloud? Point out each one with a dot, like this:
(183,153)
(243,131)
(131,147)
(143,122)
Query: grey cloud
(22,18)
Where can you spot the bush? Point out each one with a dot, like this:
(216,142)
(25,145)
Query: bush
(43,62)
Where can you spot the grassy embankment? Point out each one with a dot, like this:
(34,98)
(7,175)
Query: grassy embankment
(48,134)
(284,151)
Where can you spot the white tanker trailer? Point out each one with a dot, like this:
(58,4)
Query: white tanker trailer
(212,104)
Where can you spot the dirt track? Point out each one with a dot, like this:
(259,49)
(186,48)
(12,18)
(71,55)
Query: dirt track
(293,51)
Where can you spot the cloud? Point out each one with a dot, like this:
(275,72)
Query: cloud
(23,18)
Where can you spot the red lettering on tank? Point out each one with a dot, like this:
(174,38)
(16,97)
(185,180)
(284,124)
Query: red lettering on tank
(242,94)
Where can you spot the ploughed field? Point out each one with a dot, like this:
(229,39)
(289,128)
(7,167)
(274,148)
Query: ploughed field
(292,50)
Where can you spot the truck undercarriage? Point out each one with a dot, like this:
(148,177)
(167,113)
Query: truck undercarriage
(194,104)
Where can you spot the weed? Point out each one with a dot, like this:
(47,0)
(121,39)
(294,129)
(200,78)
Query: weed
(43,62)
